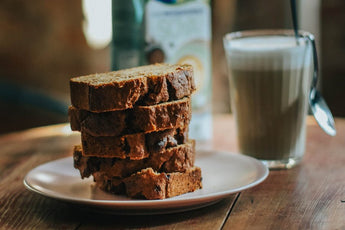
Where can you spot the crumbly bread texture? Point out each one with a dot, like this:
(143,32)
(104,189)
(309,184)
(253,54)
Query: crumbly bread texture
(158,117)
(144,85)
(152,185)
(134,146)
(175,159)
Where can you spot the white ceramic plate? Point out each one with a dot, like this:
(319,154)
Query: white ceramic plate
(223,174)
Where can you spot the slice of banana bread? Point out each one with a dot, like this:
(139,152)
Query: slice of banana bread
(144,85)
(152,185)
(158,117)
(175,159)
(134,146)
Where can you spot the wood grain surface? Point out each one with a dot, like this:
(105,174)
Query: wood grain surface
(309,196)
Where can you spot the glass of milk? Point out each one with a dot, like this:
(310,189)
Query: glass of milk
(269,75)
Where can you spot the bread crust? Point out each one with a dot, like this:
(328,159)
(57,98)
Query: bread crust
(146,119)
(174,159)
(133,146)
(151,185)
(119,90)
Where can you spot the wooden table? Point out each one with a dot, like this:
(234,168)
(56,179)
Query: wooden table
(309,196)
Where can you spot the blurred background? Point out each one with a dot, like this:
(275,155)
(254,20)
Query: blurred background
(45,43)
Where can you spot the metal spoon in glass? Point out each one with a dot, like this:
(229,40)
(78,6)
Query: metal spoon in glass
(318,105)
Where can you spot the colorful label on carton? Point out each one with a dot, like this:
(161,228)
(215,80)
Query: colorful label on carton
(180,32)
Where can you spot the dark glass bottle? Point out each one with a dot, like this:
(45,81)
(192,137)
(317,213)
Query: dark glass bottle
(128,40)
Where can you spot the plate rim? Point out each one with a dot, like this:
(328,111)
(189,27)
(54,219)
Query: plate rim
(136,204)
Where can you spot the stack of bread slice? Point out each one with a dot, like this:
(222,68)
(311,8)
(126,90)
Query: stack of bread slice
(134,130)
